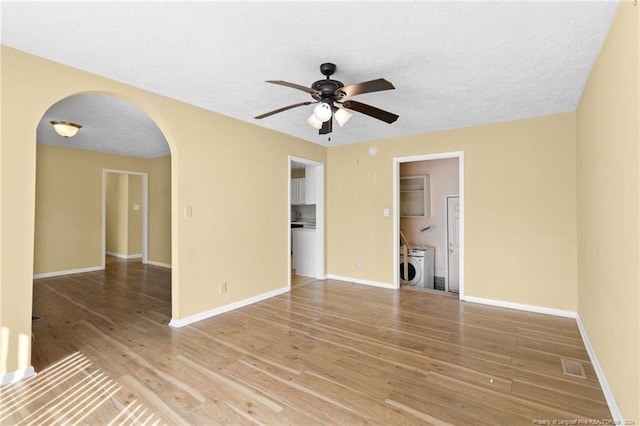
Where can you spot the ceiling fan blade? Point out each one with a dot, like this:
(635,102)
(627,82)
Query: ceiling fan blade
(327,127)
(365,87)
(275,111)
(371,111)
(294,86)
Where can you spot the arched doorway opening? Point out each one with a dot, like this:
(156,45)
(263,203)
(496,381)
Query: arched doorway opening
(74,206)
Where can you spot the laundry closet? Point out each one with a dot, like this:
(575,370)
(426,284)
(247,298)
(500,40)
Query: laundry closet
(427,193)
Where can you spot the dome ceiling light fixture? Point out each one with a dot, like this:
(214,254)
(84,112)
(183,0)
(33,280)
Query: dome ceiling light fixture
(328,94)
(65,129)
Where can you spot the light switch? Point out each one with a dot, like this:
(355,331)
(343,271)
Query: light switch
(136,206)
(385,212)
(188,212)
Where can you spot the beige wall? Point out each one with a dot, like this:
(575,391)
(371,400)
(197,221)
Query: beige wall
(520,201)
(68,220)
(159,249)
(609,210)
(206,148)
(134,217)
(116,218)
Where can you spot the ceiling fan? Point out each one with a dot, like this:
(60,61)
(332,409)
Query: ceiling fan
(330,95)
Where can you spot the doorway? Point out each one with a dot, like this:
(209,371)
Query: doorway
(420,206)
(305,205)
(124,215)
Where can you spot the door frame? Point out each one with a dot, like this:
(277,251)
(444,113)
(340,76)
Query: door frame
(319,190)
(145,212)
(396,209)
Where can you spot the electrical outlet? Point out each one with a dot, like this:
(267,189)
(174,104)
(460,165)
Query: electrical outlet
(358,264)
(223,287)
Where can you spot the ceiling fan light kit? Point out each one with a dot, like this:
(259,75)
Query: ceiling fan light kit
(342,116)
(314,122)
(322,111)
(328,94)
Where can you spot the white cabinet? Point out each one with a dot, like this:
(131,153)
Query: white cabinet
(310,185)
(415,196)
(298,191)
(304,251)
(303,190)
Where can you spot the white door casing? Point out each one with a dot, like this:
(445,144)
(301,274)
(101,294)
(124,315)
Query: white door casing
(396,212)
(317,197)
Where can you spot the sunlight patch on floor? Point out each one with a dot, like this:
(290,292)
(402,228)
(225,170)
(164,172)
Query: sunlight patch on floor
(67,393)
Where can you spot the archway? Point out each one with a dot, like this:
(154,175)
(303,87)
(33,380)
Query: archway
(70,225)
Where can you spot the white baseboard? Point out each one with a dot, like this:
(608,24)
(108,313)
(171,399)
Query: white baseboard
(521,307)
(226,308)
(68,272)
(16,376)
(359,281)
(160,264)
(616,415)
(124,256)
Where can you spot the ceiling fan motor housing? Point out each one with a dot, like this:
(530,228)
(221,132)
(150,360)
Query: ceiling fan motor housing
(327,87)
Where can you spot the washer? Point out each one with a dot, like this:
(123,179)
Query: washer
(420,267)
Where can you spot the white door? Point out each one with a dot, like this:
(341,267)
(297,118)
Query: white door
(453,243)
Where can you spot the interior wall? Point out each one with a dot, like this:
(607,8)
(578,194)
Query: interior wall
(159,236)
(608,156)
(134,217)
(520,204)
(444,180)
(116,218)
(68,219)
(206,149)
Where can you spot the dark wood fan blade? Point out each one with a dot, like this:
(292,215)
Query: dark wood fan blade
(365,87)
(294,86)
(371,111)
(327,127)
(275,111)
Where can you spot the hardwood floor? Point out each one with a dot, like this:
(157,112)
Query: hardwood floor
(298,280)
(326,353)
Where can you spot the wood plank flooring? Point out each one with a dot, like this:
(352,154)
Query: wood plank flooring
(327,353)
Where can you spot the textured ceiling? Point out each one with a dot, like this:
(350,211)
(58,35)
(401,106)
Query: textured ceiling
(109,124)
(454,64)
